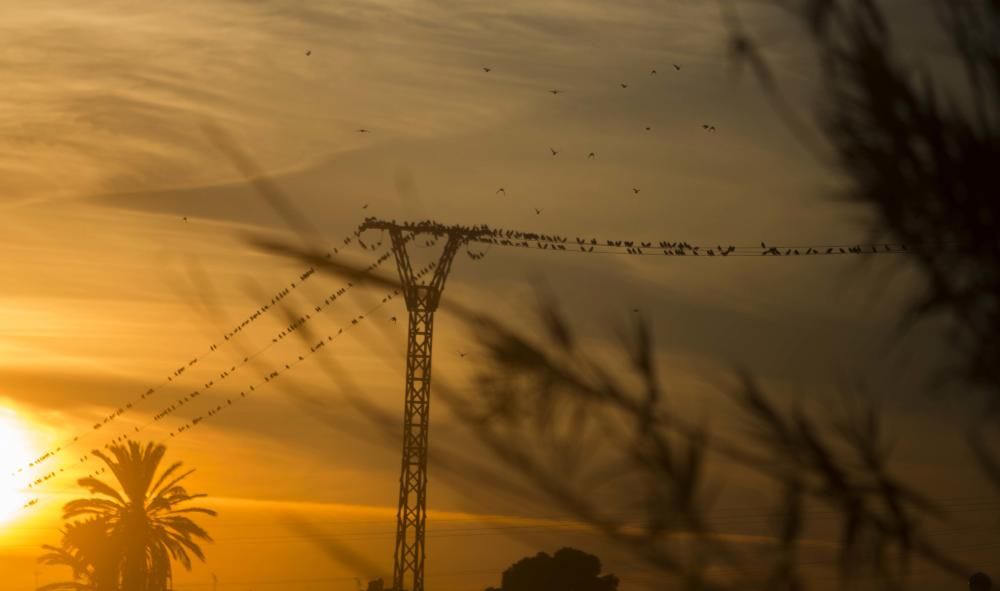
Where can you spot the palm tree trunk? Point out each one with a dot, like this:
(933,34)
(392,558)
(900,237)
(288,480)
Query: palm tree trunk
(135,570)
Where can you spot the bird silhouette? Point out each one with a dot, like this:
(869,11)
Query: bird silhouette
(309,52)
(461,354)
(538,211)
(501,190)
(634,190)
(591,155)
(623,85)
(365,206)
(363,130)
(185,218)
(487,70)
(648,128)
(554,151)
(554,91)
(676,67)
(393,318)
(652,72)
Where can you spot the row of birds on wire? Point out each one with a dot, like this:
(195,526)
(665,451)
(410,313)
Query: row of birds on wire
(485,234)
(227,336)
(181,401)
(706,127)
(276,372)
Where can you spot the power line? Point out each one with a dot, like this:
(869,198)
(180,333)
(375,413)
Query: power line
(226,337)
(180,401)
(539,241)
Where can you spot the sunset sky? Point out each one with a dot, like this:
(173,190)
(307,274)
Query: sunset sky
(125,231)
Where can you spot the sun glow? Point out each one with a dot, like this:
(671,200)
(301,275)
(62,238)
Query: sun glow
(15,453)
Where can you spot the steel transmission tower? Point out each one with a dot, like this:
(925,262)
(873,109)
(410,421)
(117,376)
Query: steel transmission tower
(422,300)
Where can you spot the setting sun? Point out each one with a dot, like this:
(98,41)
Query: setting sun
(16,454)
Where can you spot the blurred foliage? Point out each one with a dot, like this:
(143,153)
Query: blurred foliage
(918,152)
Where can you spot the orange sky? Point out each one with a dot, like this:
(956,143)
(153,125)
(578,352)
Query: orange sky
(105,288)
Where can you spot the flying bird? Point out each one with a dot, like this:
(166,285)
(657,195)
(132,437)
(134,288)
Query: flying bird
(461,354)
(676,67)
(554,151)
(487,70)
(309,52)
(555,91)
(591,155)
(623,85)
(538,211)
(634,190)
(652,72)
(185,218)
(708,127)
(648,128)
(363,130)
(393,318)
(501,190)
(365,206)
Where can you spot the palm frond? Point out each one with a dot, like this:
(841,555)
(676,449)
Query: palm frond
(96,486)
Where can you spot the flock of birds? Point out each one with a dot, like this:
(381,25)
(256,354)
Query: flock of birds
(554,152)
(479,234)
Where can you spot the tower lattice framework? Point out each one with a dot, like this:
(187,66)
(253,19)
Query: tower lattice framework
(422,300)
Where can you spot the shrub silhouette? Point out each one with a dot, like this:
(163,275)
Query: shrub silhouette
(568,569)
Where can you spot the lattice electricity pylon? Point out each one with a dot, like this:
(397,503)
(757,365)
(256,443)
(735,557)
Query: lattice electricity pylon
(421,302)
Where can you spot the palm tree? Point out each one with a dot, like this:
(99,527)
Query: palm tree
(90,552)
(144,522)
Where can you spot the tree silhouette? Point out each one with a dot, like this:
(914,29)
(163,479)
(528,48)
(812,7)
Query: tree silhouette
(89,552)
(568,569)
(129,535)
